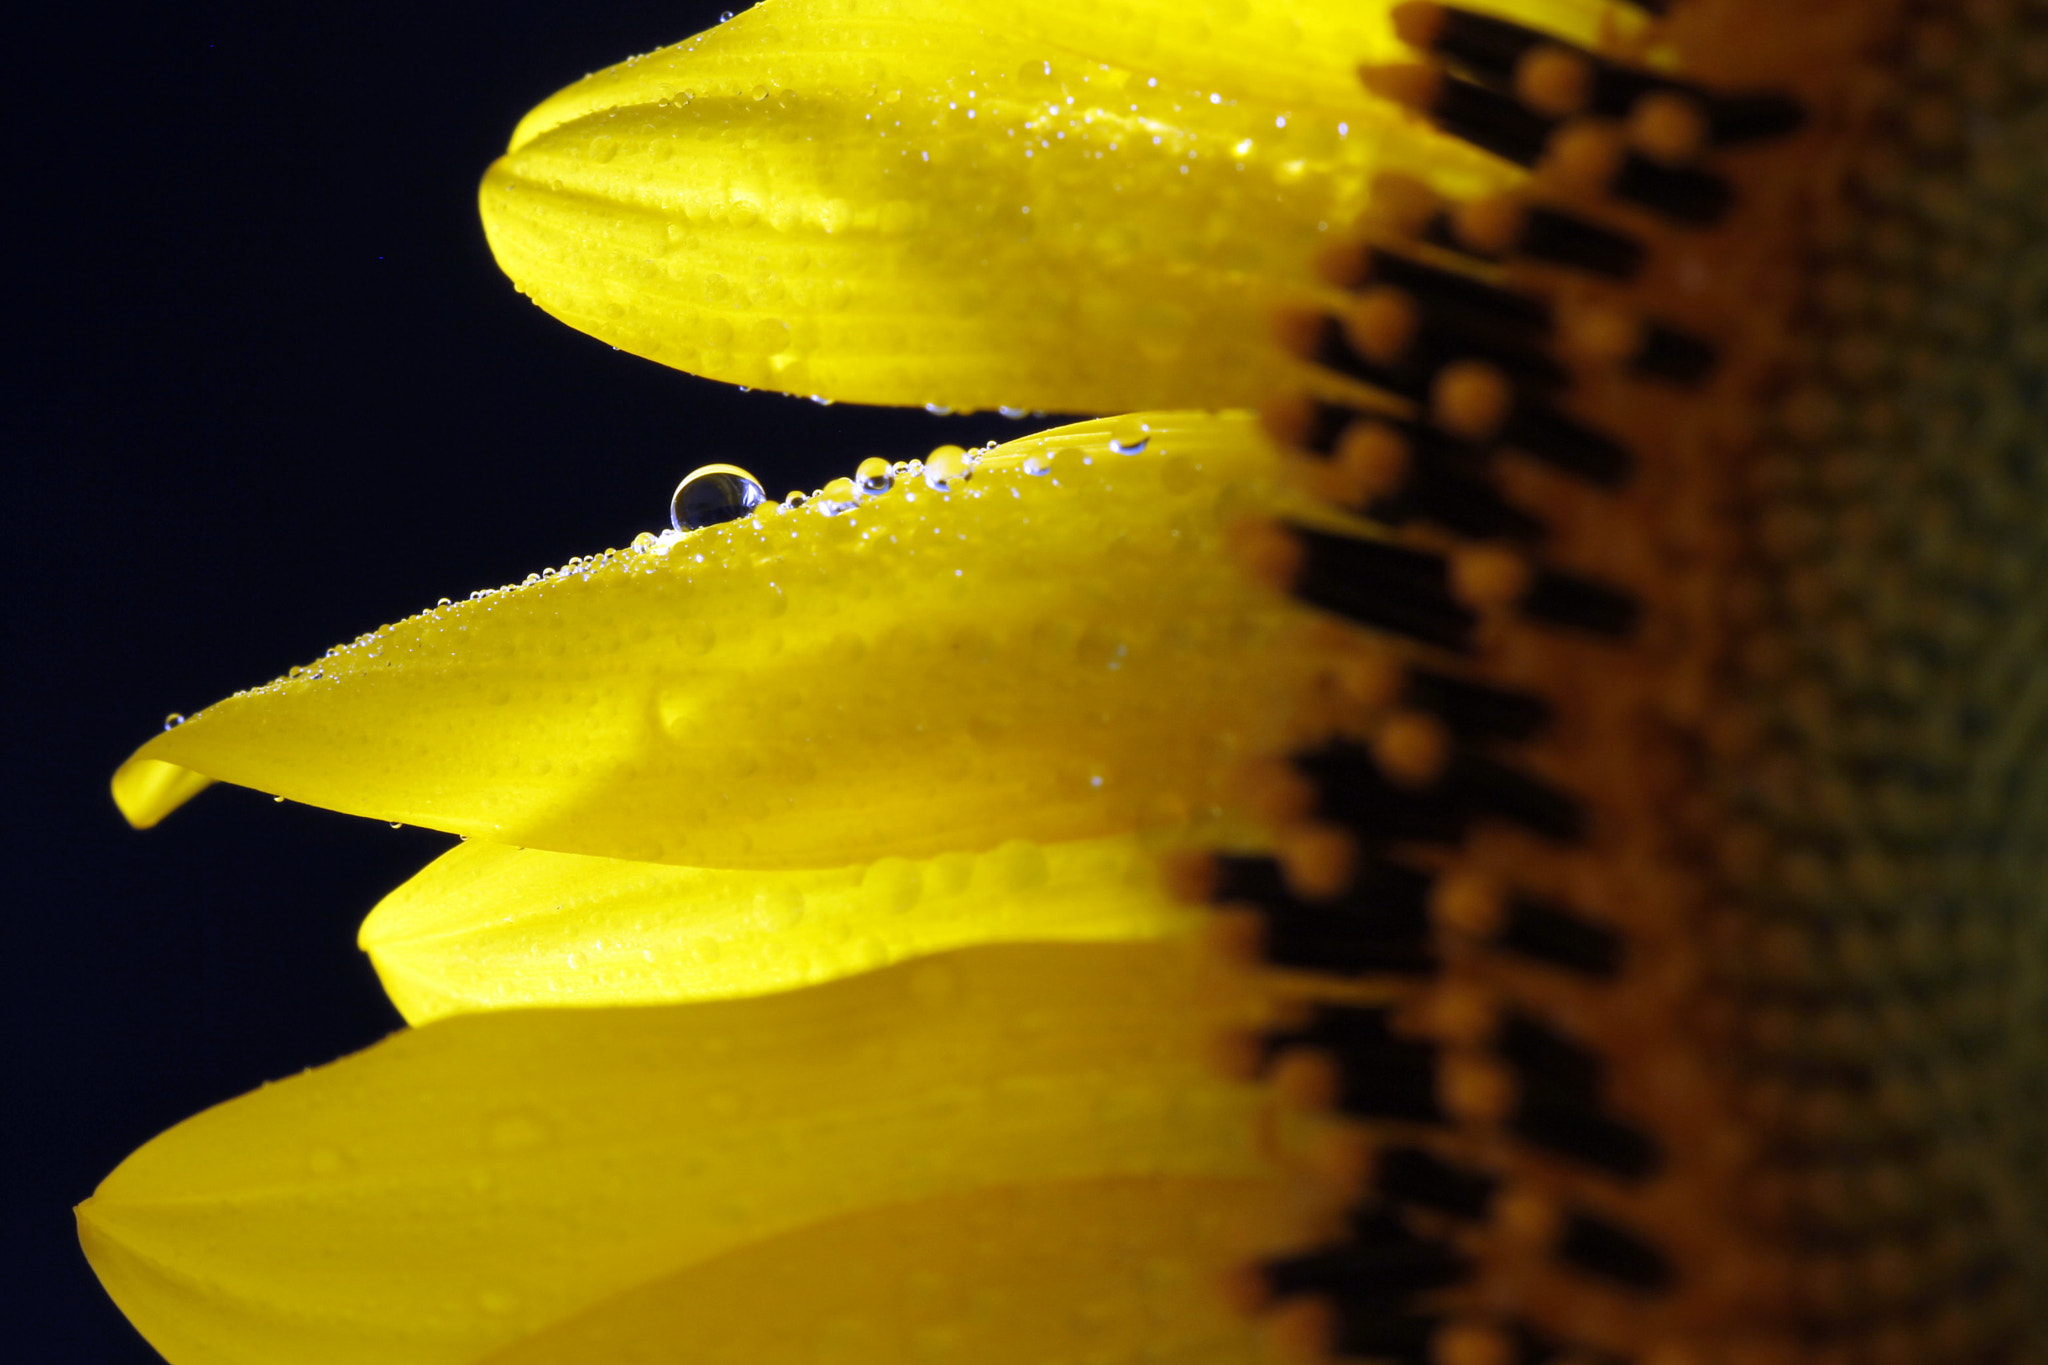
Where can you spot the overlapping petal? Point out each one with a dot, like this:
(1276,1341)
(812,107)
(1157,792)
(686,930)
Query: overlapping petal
(1069,207)
(1115,1272)
(485,1179)
(492,927)
(1057,655)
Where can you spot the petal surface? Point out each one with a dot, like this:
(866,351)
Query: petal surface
(462,1186)
(1109,1271)
(1070,208)
(491,927)
(1050,657)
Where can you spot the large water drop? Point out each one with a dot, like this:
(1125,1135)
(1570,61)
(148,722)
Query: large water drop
(714,493)
(946,468)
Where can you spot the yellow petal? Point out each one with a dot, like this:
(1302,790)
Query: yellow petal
(460,1186)
(1290,51)
(491,927)
(1108,1271)
(147,789)
(1074,208)
(1055,656)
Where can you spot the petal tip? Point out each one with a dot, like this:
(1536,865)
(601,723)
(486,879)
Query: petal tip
(148,789)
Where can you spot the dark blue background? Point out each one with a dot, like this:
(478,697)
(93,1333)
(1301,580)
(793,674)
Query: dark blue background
(267,391)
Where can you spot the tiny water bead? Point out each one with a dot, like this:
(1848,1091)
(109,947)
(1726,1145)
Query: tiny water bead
(874,477)
(174,720)
(1038,462)
(712,494)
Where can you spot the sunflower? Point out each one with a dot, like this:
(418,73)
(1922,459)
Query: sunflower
(1498,815)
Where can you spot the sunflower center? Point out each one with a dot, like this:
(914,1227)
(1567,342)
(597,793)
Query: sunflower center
(1716,892)
(1876,778)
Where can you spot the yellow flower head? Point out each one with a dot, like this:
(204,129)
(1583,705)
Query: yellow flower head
(1530,847)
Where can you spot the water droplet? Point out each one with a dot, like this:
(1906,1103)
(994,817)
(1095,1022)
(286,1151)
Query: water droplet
(945,468)
(1128,436)
(174,720)
(892,884)
(778,909)
(700,640)
(951,872)
(938,409)
(644,541)
(1019,865)
(1014,414)
(838,496)
(795,498)
(715,493)
(874,477)
(1038,463)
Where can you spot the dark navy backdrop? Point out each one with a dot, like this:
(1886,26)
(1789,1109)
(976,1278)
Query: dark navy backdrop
(266,391)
